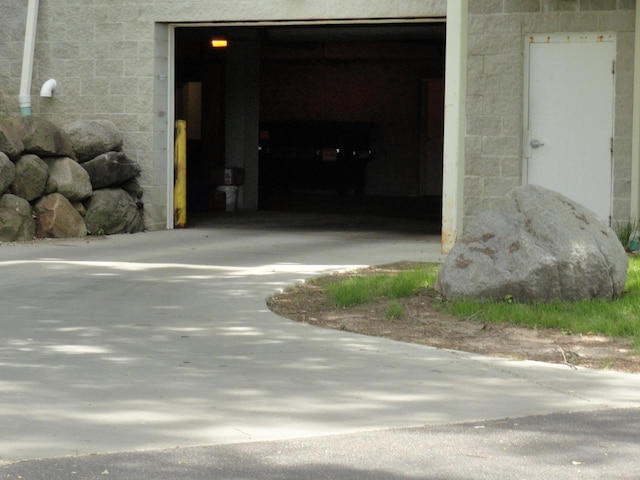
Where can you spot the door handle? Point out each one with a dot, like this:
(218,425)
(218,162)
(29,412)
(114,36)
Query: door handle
(535,143)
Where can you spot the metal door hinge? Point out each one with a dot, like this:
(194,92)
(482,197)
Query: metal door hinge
(611,145)
(613,67)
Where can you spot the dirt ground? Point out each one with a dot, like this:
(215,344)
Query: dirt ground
(422,323)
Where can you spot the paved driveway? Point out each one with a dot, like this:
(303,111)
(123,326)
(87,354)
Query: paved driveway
(163,339)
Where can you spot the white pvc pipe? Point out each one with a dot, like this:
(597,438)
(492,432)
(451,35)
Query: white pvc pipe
(27,57)
(48,87)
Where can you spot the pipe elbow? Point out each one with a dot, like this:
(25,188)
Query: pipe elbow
(48,87)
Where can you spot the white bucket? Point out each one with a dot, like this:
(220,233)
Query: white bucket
(231,196)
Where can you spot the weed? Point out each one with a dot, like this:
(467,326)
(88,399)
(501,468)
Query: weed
(395,310)
(627,233)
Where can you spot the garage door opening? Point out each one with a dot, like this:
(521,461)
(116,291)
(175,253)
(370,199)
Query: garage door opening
(340,119)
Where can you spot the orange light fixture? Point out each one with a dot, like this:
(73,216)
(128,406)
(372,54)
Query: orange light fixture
(219,43)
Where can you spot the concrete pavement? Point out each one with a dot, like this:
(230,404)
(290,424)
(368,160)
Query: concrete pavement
(163,339)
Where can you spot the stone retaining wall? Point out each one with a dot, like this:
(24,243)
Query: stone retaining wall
(66,182)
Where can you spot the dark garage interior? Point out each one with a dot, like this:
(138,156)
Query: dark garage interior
(349,118)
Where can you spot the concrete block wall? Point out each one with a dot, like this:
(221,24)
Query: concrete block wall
(111,61)
(495,88)
(12,25)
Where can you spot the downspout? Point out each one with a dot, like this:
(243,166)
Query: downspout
(27,57)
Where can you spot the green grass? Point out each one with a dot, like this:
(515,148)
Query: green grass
(617,318)
(357,290)
(394,310)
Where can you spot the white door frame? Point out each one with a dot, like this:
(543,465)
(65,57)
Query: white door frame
(455,92)
(555,38)
(635,135)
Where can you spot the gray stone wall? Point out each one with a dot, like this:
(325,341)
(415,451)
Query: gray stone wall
(495,88)
(111,61)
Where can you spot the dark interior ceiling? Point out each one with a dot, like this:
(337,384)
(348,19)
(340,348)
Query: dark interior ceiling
(194,41)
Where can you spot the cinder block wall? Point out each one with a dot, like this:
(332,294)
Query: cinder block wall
(12,24)
(495,88)
(111,61)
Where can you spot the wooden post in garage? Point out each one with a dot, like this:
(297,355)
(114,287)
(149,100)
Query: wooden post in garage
(180,176)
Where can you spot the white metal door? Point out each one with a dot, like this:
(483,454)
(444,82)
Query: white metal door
(568,138)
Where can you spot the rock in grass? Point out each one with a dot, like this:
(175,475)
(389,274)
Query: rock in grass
(535,246)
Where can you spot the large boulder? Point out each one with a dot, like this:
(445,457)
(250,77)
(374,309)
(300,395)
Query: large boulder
(7,173)
(10,139)
(133,187)
(31,177)
(535,246)
(16,220)
(67,177)
(43,138)
(57,218)
(90,138)
(112,210)
(111,169)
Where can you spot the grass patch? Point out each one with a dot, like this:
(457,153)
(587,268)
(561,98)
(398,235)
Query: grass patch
(618,318)
(358,290)
(394,310)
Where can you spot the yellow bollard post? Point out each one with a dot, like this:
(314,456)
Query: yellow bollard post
(180,176)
